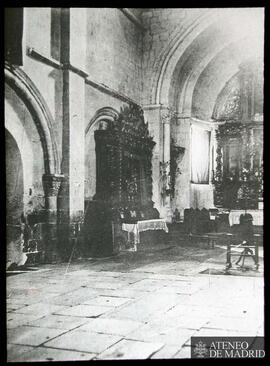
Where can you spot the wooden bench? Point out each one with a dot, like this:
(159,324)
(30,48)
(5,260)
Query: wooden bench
(202,237)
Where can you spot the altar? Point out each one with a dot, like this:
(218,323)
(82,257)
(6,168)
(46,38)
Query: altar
(145,225)
(234,216)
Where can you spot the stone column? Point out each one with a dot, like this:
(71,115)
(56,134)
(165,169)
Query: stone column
(51,185)
(183,185)
(166,128)
(152,116)
(71,200)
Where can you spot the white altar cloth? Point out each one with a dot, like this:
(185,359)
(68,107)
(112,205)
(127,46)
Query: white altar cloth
(234,216)
(155,224)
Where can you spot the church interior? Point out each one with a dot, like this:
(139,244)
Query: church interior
(128,127)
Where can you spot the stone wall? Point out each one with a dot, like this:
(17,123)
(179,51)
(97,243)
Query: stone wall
(163,27)
(113,61)
(40,27)
(114,52)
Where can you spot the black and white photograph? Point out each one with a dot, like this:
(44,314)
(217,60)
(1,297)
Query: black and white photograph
(134,183)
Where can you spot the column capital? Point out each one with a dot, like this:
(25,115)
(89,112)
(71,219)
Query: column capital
(51,184)
(167,115)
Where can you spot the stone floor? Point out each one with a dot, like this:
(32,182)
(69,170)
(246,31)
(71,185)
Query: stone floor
(133,306)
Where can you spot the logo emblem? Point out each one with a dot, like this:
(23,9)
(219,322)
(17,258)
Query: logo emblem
(200,349)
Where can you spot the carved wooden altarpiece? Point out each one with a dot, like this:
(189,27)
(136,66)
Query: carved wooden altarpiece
(123,160)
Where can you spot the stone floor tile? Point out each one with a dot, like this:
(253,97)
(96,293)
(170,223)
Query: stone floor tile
(15,320)
(31,336)
(177,336)
(124,292)
(84,311)
(184,298)
(146,285)
(185,289)
(107,301)
(166,352)
(41,309)
(50,354)
(13,307)
(185,352)
(260,331)
(123,277)
(15,351)
(127,349)
(230,323)
(210,332)
(111,326)
(73,298)
(78,273)
(82,341)
(146,307)
(29,299)
(58,322)
(169,320)
(169,277)
(191,311)
(15,301)
(153,268)
(105,284)
(106,273)
(139,275)
(62,287)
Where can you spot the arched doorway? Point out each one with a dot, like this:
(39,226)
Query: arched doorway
(102,117)
(14,201)
(29,123)
(14,180)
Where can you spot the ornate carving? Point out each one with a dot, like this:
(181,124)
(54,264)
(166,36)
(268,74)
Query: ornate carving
(169,170)
(250,177)
(124,153)
(242,97)
(228,105)
(168,115)
(177,153)
(51,184)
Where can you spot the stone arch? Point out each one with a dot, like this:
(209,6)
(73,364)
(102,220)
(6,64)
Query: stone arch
(103,114)
(170,55)
(184,98)
(31,97)
(171,61)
